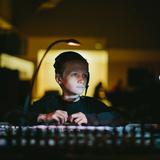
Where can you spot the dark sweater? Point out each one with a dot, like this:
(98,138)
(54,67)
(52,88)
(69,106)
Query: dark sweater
(95,111)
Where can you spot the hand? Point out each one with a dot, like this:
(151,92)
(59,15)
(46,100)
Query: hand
(41,118)
(59,116)
(78,118)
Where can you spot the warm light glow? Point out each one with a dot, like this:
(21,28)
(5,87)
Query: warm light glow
(5,25)
(73,44)
(98,67)
(24,67)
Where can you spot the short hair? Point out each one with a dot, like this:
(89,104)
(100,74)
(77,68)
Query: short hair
(64,57)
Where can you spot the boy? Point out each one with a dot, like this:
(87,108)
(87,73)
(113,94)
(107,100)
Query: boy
(72,75)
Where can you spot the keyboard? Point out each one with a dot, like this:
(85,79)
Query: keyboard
(80,140)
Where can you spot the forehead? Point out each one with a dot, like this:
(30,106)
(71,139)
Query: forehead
(75,65)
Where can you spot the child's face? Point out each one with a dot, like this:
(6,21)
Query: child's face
(74,78)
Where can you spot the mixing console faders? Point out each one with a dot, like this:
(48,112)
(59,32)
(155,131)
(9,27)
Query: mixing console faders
(81,140)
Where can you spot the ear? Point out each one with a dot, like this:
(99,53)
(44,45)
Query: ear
(58,78)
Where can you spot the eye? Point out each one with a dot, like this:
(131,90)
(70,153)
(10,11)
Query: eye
(85,75)
(74,74)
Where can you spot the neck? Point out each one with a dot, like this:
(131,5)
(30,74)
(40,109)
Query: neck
(71,98)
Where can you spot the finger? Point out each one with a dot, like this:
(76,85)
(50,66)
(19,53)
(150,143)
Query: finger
(82,122)
(52,116)
(41,118)
(56,116)
(63,114)
(73,116)
(71,119)
(77,119)
(54,119)
(62,118)
(79,122)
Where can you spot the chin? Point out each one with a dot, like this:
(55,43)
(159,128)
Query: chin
(77,93)
(80,93)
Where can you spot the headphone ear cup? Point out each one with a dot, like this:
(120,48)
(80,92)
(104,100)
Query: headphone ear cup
(87,83)
(88,79)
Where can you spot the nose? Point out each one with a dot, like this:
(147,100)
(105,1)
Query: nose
(81,79)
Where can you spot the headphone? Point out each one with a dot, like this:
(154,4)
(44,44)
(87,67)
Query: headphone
(87,83)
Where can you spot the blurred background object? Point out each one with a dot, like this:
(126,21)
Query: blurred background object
(101,94)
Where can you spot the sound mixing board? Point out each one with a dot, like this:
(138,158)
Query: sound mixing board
(69,140)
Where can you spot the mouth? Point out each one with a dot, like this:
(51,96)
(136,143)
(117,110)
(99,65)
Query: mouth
(80,87)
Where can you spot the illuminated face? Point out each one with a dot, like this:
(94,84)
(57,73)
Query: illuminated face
(74,78)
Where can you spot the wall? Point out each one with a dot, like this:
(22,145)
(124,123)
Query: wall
(120,60)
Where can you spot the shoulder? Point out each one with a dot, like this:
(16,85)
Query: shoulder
(46,99)
(95,103)
(92,100)
(87,98)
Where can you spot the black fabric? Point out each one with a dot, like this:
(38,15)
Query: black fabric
(95,111)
